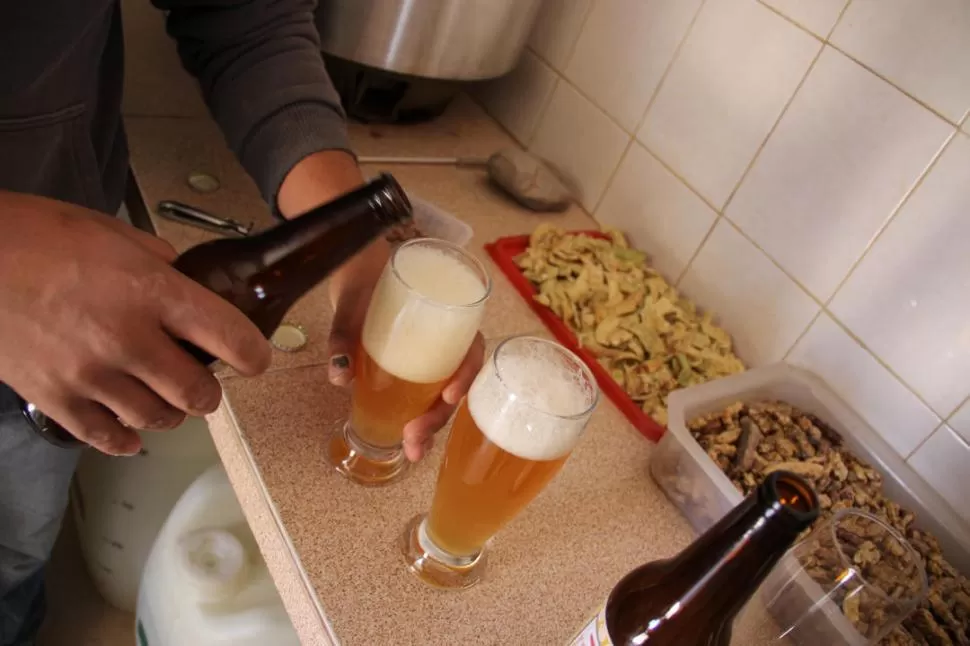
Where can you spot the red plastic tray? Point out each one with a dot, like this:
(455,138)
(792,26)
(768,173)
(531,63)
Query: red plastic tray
(503,251)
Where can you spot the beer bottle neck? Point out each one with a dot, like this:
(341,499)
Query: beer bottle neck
(694,597)
(301,252)
(736,555)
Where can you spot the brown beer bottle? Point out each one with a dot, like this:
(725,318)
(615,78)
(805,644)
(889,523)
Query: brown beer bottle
(265,274)
(693,598)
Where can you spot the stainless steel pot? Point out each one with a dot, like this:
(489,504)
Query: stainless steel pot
(463,40)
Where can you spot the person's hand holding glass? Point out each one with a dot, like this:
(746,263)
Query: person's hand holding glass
(522,417)
(423,318)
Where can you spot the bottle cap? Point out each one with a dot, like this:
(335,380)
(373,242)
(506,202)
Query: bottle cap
(203,182)
(289,337)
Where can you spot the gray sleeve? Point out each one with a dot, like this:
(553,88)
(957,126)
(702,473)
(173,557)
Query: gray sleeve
(263,78)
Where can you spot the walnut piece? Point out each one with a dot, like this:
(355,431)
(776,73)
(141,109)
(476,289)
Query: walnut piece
(750,440)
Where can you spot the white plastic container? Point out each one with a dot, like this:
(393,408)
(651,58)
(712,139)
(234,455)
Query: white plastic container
(436,223)
(703,493)
(205,583)
(120,504)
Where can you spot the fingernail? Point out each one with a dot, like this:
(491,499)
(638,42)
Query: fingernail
(341,362)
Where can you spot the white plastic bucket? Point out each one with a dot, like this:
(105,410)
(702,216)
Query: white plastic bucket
(205,583)
(120,504)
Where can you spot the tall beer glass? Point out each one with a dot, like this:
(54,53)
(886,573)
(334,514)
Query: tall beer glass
(523,415)
(422,319)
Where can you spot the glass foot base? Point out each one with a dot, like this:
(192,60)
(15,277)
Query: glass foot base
(367,466)
(435,567)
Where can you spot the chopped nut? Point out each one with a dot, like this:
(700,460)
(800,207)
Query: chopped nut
(641,330)
(806,469)
(775,436)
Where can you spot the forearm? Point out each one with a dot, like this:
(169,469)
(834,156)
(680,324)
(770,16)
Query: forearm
(259,65)
(320,178)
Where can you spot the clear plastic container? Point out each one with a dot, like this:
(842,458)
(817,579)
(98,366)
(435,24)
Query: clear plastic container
(436,223)
(703,493)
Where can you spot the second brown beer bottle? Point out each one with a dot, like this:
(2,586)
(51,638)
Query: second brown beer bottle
(265,274)
(693,598)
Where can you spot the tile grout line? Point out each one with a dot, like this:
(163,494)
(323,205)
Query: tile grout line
(579,34)
(882,363)
(773,129)
(721,211)
(670,66)
(643,117)
(697,251)
(838,20)
(524,143)
(828,41)
(923,441)
(892,216)
(767,255)
(594,103)
(792,21)
(542,110)
(803,334)
(956,410)
(787,18)
(885,79)
(609,182)
(542,58)
(825,309)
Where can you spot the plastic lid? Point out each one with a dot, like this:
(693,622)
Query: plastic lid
(214,561)
(289,337)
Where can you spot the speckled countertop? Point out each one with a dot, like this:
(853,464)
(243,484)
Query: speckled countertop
(330,545)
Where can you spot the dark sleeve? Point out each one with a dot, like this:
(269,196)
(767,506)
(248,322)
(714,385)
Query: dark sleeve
(263,78)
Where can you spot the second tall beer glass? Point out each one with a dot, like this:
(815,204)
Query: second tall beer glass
(523,416)
(422,319)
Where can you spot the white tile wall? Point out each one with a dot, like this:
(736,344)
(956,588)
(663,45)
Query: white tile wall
(557,28)
(761,307)
(657,211)
(920,45)
(909,299)
(944,462)
(830,177)
(636,39)
(960,422)
(855,374)
(818,16)
(736,71)
(517,99)
(819,198)
(591,151)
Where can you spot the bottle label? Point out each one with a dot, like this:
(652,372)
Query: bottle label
(594,633)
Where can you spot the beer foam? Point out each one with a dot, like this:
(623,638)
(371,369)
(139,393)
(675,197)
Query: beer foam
(527,403)
(416,328)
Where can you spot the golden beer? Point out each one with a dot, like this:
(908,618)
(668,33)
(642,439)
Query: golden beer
(523,416)
(384,403)
(481,487)
(422,318)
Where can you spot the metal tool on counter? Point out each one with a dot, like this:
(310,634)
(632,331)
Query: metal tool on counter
(531,181)
(460,162)
(192,216)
